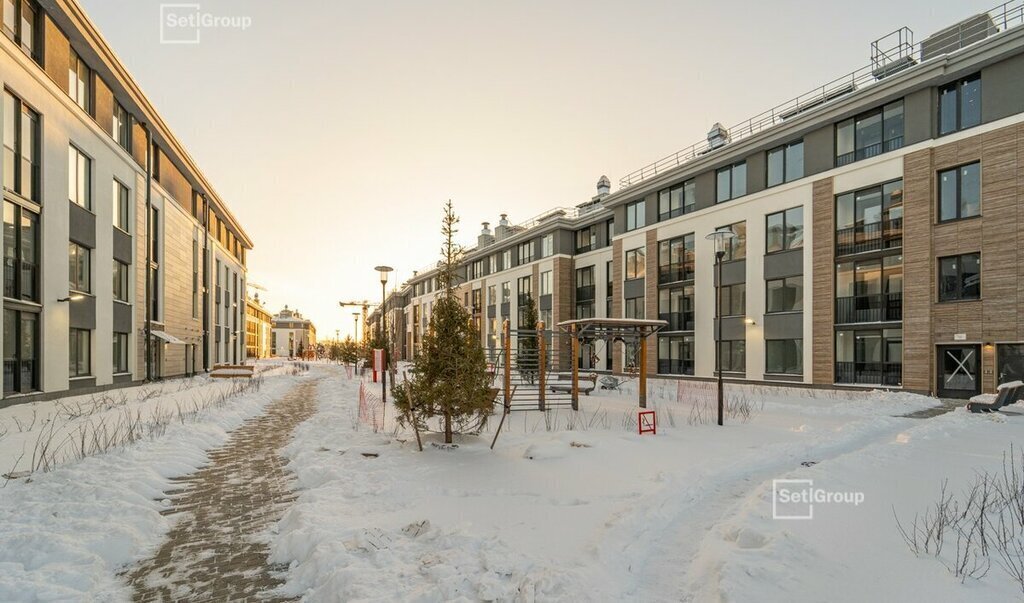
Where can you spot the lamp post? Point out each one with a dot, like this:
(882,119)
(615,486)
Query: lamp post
(383,271)
(721,238)
(355,334)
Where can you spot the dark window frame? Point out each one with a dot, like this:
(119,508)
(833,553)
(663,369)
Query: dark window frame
(731,171)
(74,361)
(785,283)
(886,144)
(956,87)
(22,272)
(685,268)
(637,210)
(630,266)
(958,172)
(798,371)
(666,207)
(787,167)
(959,293)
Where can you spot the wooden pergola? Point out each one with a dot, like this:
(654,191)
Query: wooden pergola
(611,329)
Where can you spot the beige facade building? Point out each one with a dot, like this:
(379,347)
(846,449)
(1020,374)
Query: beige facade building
(258,329)
(292,335)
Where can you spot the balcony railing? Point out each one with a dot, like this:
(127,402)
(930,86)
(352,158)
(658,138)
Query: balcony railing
(673,273)
(870,373)
(675,367)
(887,234)
(869,151)
(877,307)
(586,293)
(678,321)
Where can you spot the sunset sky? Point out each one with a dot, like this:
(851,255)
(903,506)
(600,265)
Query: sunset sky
(336,130)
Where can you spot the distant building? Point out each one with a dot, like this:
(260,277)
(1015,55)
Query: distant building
(257,329)
(292,334)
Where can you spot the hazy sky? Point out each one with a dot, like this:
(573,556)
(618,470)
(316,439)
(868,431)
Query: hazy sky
(336,130)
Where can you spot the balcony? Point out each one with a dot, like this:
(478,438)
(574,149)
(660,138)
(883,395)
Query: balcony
(675,367)
(870,373)
(678,321)
(869,151)
(673,273)
(877,307)
(887,234)
(586,293)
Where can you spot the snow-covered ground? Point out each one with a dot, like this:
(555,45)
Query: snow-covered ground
(598,512)
(574,507)
(66,532)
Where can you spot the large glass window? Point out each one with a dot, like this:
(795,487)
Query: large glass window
(735,247)
(733,356)
(21,253)
(545,282)
(870,357)
(586,239)
(784,356)
(547,247)
(80,364)
(506,292)
(120,353)
(785,294)
(870,219)
(676,200)
(79,268)
(1009,362)
(21,148)
(731,182)
(119,194)
(80,82)
(960,192)
(21,24)
(960,277)
(636,263)
(869,134)
(675,306)
(120,281)
(676,259)
(121,128)
(21,351)
(786,163)
(79,178)
(960,104)
(634,308)
(675,355)
(785,230)
(734,299)
(636,215)
(525,253)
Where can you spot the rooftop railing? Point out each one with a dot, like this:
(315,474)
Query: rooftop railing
(884,62)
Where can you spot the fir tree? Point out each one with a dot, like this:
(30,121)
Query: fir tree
(449,377)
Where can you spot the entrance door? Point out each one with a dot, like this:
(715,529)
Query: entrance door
(959,371)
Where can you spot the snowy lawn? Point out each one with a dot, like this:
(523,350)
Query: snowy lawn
(72,524)
(598,512)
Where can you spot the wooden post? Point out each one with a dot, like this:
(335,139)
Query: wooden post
(506,336)
(575,368)
(541,358)
(643,371)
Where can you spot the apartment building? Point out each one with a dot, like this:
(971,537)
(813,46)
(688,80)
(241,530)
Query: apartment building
(291,334)
(111,232)
(258,328)
(877,222)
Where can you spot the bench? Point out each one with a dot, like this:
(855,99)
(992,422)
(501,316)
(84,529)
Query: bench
(232,371)
(1008,393)
(562,382)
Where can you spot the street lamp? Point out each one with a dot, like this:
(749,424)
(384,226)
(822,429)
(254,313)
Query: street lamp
(383,271)
(721,239)
(355,335)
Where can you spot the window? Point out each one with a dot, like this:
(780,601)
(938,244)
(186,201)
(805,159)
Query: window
(735,247)
(870,219)
(734,300)
(609,227)
(492,292)
(634,308)
(636,263)
(525,253)
(492,264)
(960,192)
(784,356)
(524,287)
(636,215)
(79,178)
(786,163)
(80,82)
(960,277)
(154,265)
(871,357)
(121,204)
(506,259)
(476,269)
(677,200)
(21,24)
(586,239)
(80,353)
(676,259)
(870,134)
(120,353)
(21,351)
(731,182)
(785,230)
(121,128)
(79,268)
(609,289)
(733,356)
(21,148)
(506,292)
(547,245)
(785,294)
(476,301)
(869,290)
(545,282)
(675,306)
(21,253)
(675,355)
(120,281)
(960,104)
(195,277)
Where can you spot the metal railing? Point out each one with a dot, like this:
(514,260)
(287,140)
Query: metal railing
(586,293)
(877,307)
(678,321)
(870,373)
(674,273)
(1001,18)
(886,234)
